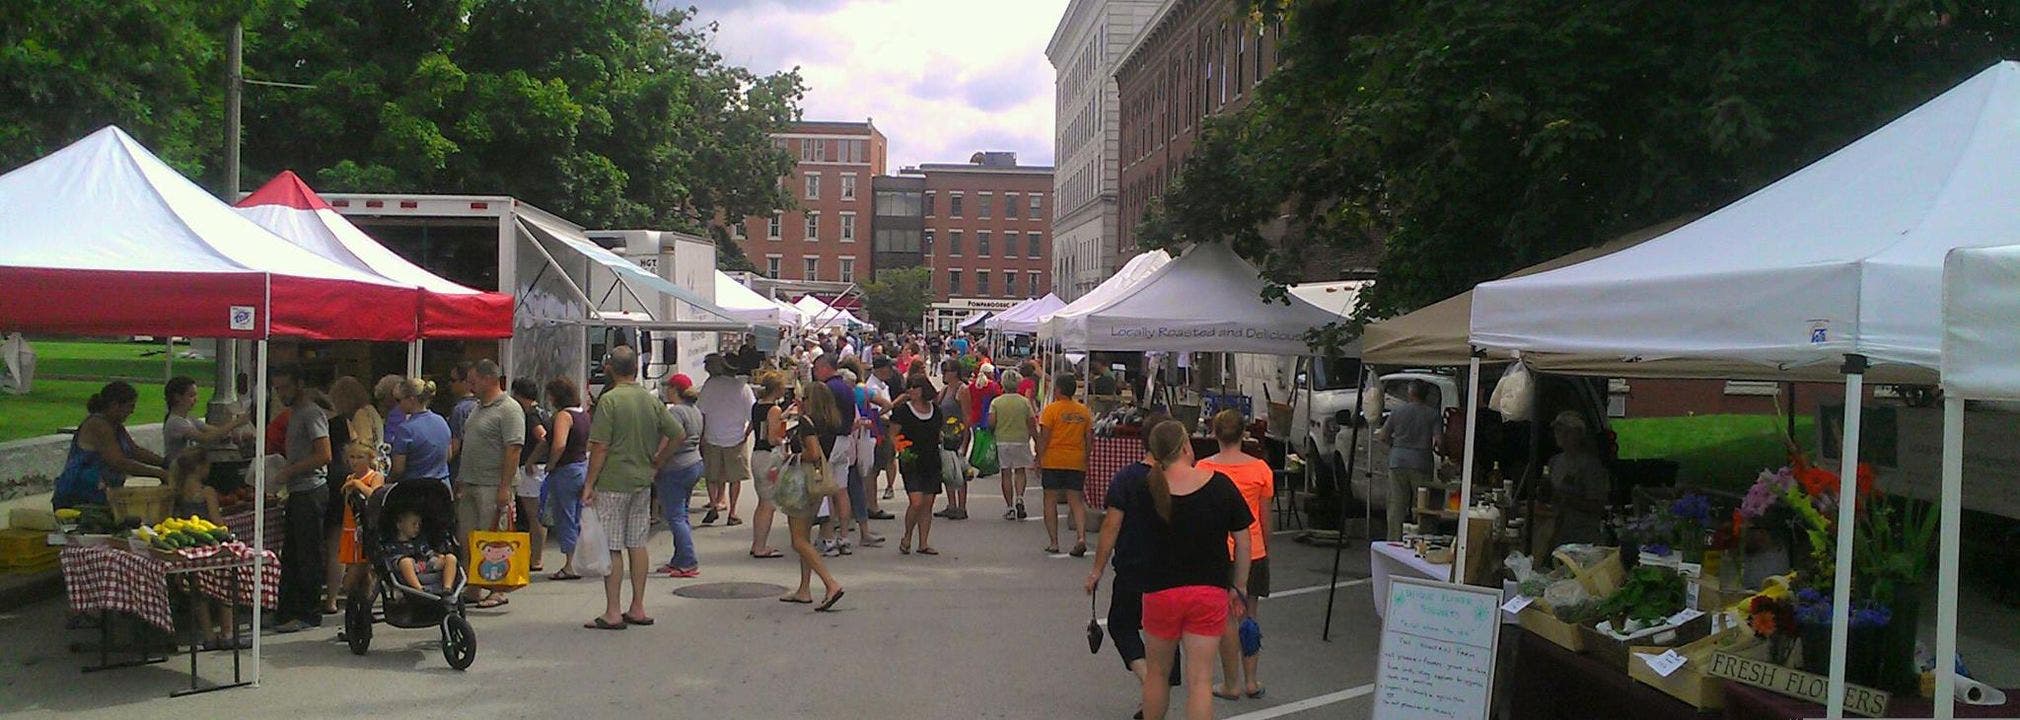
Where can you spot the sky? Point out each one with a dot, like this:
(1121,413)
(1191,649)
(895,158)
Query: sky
(941,78)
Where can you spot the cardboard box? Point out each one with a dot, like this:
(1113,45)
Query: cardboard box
(1537,618)
(1690,683)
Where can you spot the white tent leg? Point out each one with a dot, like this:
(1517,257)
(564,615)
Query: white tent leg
(1952,499)
(1848,493)
(259,467)
(1466,472)
(414,358)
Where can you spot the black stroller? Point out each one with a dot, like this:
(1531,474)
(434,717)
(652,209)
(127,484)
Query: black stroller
(404,606)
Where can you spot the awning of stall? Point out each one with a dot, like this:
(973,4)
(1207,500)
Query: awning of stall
(636,283)
(1841,258)
(1023,319)
(103,238)
(1981,323)
(1163,312)
(748,306)
(1131,273)
(974,320)
(287,207)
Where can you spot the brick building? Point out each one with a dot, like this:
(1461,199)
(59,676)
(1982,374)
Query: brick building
(1091,37)
(987,228)
(1195,59)
(828,235)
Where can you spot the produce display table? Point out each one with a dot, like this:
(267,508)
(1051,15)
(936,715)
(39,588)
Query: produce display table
(107,579)
(1547,682)
(1743,702)
(1387,559)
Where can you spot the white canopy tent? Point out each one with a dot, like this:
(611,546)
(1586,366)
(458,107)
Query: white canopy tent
(1023,318)
(1163,311)
(974,321)
(745,305)
(1129,275)
(820,315)
(1981,361)
(1840,262)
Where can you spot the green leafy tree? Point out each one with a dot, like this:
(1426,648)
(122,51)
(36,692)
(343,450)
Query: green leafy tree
(1465,139)
(898,298)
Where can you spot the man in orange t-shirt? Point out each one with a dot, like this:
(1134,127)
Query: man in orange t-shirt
(1257,483)
(1065,440)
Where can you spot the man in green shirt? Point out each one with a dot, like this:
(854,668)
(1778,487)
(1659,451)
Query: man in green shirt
(625,430)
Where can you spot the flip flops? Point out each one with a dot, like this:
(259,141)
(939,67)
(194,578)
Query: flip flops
(598,623)
(494,601)
(790,599)
(773,553)
(829,603)
(564,575)
(640,621)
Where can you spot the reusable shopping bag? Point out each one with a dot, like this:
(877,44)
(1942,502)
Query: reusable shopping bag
(500,560)
(983,454)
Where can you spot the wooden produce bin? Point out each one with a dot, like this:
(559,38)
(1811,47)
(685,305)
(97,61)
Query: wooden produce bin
(1690,683)
(1614,652)
(1540,621)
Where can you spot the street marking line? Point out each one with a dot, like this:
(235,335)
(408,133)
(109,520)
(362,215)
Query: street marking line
(1315,588)
(1307,703)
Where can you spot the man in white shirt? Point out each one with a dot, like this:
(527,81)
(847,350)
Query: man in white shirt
(725,403)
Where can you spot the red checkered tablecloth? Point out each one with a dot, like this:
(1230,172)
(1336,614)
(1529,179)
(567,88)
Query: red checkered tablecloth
(1109,456)
(241,524)
(104,578)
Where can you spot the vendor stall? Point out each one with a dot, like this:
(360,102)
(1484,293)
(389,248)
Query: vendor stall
(747,305)
(105,220)
(1834,270)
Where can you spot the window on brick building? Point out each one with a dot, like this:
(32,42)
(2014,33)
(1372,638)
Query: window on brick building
(954,243)
(813,186)
(930,208)
(1010,206)
(982,205)
(812,268)
(953,282)
(848,227)
(981,282)
(981,243)
(772,227)
(813,226)
(1035,282)
(1010,283)
(928,238)
(848,270)
(1032,243)
(772,263)
(848,187)
(1037,206)
(1010,244)
(954,204)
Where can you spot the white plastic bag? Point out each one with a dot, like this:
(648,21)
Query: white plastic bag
(1515,395)
(592,547)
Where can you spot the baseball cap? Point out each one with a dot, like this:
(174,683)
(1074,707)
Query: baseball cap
(879,362)
(681,382)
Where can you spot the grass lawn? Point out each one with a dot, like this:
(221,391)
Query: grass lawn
(1714,451)
(67,372)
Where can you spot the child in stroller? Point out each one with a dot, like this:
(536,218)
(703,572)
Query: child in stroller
(415,560)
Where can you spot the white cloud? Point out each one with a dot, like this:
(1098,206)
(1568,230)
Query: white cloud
(941,78)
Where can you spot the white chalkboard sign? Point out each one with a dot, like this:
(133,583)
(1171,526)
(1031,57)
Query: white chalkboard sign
(1438,646)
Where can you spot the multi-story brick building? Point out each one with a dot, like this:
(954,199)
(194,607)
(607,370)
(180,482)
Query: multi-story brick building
(988,228)
(1091,37)
(828,235)
(1194,59)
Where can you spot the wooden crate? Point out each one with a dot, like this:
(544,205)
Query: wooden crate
(1610,651)
(1690,683)
(1538,619)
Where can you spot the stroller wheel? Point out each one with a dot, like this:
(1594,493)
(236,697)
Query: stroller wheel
(358,623)
(459,642)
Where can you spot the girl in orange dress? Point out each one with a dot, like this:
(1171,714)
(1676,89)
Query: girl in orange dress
(365,478)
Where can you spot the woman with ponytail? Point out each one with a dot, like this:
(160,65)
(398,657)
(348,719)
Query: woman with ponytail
(421,440)
(102,454)
(1188,581)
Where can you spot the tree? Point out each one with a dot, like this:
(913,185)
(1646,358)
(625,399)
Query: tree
(897,298)
(603,111)
(1466,139)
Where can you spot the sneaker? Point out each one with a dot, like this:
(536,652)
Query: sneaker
(882,515)
(958,514)
(874,540)
(1010,514)
(830,548)
(947,513)
(887,493)
(1020,510)
(848,547)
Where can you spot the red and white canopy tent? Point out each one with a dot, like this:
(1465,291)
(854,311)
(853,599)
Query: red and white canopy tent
(104,238)
(288,208)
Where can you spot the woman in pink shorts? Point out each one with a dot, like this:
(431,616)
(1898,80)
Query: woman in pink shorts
(1190,586)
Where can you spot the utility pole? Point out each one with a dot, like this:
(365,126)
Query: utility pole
(224,391)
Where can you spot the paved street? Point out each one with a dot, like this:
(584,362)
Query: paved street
(992,629)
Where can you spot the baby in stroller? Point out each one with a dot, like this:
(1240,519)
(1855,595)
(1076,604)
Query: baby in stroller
(415,560)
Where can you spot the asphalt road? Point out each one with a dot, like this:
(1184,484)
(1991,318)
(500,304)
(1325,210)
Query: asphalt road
(993,628)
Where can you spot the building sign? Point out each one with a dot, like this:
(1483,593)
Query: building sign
(1795,683)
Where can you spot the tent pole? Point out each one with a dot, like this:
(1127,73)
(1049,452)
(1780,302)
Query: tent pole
(259,502)
(1952,498)
(1340,543)
(1848,493)
(414,358)
(1466,472)
(168,370)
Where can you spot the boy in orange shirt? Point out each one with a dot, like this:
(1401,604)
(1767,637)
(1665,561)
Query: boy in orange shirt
(1257,483)
(1065,440)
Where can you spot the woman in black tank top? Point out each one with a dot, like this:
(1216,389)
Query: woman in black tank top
(765,416)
